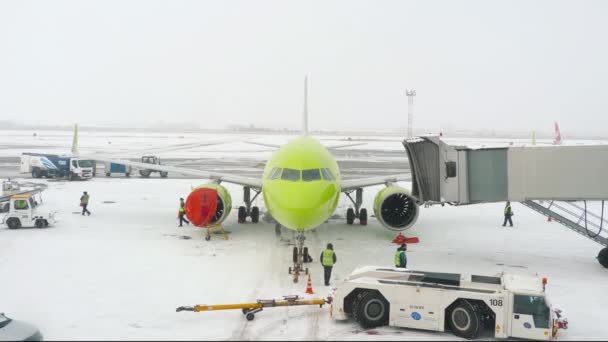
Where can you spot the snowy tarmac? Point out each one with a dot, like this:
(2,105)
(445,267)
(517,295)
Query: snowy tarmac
(121,272)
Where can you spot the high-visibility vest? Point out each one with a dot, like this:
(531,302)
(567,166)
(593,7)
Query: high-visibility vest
(85,199)
(182,209)
(507,209)
(328,258)
(398,258)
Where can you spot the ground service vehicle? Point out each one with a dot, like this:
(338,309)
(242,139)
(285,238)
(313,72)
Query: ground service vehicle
(25,211)
(55,166)
(502,306)
(151,160)
(111,168)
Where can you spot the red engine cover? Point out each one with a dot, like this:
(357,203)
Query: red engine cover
(201,206)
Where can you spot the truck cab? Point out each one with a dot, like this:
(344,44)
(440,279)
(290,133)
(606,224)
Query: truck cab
(55,166)
(25,211)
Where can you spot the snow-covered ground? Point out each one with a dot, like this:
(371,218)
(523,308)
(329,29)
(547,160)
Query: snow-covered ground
(121,272)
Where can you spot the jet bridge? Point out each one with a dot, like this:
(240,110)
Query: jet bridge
(563,183)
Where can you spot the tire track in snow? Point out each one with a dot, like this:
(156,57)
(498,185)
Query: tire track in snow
(271,277)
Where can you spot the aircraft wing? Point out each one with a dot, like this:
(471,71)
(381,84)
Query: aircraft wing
(262,144)
(220,177)
(352,184)
(328,147)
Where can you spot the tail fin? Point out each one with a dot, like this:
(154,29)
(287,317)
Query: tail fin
(305,113)
(558,136)
(75,140)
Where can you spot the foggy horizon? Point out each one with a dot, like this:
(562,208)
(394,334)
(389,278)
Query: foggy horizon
(506,66)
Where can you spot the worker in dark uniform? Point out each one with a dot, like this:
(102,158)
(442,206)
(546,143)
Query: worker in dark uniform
(84,203)
(182,212)
(400,257)
(508,214)
(328,259)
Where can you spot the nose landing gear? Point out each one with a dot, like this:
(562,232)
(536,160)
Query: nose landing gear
(300,256)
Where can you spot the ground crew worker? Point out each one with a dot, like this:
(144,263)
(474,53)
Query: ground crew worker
(182,212)
(508,214)
(328,259)
(400,257)
(84,202)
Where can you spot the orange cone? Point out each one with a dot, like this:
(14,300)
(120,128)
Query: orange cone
(309,286)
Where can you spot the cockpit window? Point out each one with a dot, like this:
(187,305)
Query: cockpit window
(291,175)
(275,173)
(311,175)
(327,175)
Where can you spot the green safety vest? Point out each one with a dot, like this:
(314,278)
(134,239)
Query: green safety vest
(398,258)
(182,209)
(507,209)
(85,199)
(328,258)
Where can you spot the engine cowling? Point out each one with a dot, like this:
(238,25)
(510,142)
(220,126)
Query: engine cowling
(395,208)
(208,204)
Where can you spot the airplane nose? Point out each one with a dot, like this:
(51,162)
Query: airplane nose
(301,206)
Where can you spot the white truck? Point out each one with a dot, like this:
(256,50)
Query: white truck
(55,166)
(500,306)
(24,211)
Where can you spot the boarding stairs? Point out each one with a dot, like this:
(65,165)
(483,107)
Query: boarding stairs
(576,216)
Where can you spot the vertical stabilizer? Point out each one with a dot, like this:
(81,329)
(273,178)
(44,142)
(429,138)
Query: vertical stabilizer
(305,113)
(558,136)
(75,140)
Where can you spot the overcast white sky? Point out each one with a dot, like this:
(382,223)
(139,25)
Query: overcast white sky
(504,65)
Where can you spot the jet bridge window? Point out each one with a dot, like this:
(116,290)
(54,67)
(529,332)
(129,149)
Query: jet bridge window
(311,175)
(291,175)
(327,175)
(275,173)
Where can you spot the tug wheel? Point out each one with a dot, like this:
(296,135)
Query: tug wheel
(464,321)
(250,316)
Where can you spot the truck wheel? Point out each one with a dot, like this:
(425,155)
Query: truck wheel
(72,176)
(464,321)
(144,173)
(107,174)
(242,214)
(36,173)
(255,214)
(363,217)
(13,223)
(371,309)
(350,216)
(163,174)
(128,174)
(39,223)
(603,257)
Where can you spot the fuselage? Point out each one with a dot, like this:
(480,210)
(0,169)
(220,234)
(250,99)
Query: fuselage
(301,184)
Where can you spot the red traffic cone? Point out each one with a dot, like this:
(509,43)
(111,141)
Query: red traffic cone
(309,286)
(549,219)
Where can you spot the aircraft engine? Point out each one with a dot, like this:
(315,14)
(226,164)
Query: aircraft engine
(395,208)
(208,204)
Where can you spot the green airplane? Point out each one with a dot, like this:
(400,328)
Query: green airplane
(301,186)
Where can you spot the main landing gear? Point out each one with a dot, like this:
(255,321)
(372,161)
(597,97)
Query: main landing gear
(247,210)
(359,213)
(300,257)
